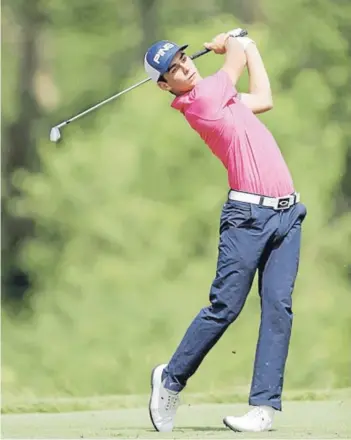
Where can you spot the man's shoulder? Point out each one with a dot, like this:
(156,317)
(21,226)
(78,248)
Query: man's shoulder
(209,98)
(211,82)
(205,90)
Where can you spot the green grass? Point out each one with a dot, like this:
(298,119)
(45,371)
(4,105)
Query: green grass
(313,420)
(69,404)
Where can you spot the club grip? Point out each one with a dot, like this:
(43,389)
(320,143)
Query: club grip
(200,53)
(204,51)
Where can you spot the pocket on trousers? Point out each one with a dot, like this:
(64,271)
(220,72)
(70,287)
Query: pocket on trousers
(235,215)
(303,211)
(300,212)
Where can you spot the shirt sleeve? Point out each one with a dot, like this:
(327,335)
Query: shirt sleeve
(212,95)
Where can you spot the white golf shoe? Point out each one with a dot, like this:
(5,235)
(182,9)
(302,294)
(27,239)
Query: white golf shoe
(163,403)
(258,419)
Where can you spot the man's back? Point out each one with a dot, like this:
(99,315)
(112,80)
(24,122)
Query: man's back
(236,136)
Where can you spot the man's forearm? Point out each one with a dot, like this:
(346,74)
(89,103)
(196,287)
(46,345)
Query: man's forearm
(235,59)
(259,98)
(258,77)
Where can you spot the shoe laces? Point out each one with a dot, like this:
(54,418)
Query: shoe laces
(255,412)
(172,401)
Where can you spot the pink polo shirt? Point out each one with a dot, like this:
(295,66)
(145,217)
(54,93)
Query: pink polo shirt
(236,136)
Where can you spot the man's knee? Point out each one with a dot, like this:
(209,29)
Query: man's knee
(278,298)
(228,293)
(225,308)
(277,314)
(222,314)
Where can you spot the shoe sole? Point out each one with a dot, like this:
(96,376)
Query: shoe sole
(230,427)
(238,430)
(152,390)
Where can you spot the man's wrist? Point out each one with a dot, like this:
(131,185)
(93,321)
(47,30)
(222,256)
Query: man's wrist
(230,40)
(245,42)
(227,40)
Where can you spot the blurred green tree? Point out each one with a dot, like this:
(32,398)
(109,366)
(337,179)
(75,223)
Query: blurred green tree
(125,214)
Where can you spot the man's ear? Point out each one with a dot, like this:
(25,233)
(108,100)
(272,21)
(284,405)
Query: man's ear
(164,86)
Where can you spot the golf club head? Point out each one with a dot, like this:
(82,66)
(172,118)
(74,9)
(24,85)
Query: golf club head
(55,134)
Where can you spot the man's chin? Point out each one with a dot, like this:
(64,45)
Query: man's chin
(193,81)
(190,87)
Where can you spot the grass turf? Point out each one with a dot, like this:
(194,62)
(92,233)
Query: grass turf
(299,419)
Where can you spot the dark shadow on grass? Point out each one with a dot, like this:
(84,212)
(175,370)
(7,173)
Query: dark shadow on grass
(213,429)
(193,428)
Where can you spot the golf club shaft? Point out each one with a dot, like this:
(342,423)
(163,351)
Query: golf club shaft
(193,57)
(102,103)
(199,53)
(62,124)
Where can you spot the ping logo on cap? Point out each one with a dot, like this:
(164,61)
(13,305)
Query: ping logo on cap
(159,57)
(161,52)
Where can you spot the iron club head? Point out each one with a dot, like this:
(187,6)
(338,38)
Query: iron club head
(55,134)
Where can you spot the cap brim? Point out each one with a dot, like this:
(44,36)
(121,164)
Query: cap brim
(172,55)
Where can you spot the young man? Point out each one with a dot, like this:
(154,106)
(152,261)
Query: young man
(260,225)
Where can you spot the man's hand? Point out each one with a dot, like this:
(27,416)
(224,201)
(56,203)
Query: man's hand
(217,45)
(245,41)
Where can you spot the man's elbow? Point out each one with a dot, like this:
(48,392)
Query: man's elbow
(258,102)
(267,102)
(264,104)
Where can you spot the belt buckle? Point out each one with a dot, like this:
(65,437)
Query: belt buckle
(283,203)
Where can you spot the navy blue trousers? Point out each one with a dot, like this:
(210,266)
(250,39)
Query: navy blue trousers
(252,237)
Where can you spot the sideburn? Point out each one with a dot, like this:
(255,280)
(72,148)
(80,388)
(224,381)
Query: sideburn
(163,79)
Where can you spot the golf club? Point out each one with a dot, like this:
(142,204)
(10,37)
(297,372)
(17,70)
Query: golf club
(55,133)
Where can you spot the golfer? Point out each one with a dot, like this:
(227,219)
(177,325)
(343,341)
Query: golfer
(260,224)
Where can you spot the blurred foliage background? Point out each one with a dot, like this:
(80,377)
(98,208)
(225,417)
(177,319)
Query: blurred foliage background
(109,241)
